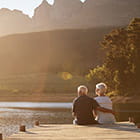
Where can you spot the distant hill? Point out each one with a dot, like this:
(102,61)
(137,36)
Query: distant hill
(92,13)
(73,51)
(70,14)
(14,22)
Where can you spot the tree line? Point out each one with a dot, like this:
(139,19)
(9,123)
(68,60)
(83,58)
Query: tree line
(121,67)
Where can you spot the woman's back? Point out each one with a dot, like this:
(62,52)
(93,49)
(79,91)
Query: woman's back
(105,118)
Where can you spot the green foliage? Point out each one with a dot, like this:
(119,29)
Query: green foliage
(98,74)
(113,93)
(121,68)
(74,51)
(35,83)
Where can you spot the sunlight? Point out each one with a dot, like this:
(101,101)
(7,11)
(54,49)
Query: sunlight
(83,1)
(66,75)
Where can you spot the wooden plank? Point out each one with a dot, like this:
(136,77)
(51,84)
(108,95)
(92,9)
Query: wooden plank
(118,131)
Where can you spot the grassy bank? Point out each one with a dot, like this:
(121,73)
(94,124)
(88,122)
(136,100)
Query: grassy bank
(47,87)
(41,97)
(40,87)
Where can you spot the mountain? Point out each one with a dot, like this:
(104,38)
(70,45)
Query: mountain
(66,14)
(42,15)
(110,12)
(63,14)
(92,13)
(70,14)
(74,51)
(14,22)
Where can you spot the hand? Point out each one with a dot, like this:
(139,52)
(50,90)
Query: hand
(113,112)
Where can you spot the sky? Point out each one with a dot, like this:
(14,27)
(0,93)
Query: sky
(27,6)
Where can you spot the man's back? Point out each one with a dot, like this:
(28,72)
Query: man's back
(83,107)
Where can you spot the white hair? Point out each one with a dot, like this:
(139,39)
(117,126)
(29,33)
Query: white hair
(102,88)
(82,90)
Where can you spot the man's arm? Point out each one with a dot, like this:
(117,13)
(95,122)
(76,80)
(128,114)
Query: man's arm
(74,114)
(105,110)
(73,109)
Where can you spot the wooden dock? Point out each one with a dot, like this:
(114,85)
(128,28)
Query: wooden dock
(119,131)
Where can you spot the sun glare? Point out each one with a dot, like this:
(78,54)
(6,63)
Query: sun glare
(66,75)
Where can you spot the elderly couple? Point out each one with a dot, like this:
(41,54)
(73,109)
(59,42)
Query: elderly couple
(87,110)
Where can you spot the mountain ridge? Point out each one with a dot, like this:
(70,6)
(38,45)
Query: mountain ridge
(74,51)
(70,15)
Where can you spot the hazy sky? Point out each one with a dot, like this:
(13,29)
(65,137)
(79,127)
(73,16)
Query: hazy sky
(27,6)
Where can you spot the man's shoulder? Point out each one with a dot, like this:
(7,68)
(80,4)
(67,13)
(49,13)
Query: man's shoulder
(83,98)
(75,99)
(92,100)
(88,98)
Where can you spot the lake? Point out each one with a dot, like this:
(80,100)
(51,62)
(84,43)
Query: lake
(34,105)
(14,114)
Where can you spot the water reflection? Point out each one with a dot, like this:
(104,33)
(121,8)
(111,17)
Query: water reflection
(35,105)
(48,113)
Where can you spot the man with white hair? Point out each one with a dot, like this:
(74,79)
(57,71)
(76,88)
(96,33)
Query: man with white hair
(103,101)
(83,107)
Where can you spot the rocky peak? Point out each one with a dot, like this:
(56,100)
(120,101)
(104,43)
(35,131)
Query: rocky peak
(67,4)
(4,11)
(42,14)
(43,7)
(44,4)
(67,9)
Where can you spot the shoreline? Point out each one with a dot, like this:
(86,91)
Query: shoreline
(39,98)
(39,109)
(59,98)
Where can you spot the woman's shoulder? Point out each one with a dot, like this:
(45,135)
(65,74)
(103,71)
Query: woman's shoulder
(102,98)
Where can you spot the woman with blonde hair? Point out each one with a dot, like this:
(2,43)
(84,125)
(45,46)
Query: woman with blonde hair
(103,101)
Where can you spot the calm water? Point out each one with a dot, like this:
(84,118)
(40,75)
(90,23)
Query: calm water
(14,114)
(26,113)
(35,105)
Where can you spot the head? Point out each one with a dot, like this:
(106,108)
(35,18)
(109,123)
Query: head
(82,90)
(101,89)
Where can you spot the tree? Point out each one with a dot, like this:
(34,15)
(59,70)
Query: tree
(121,65)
